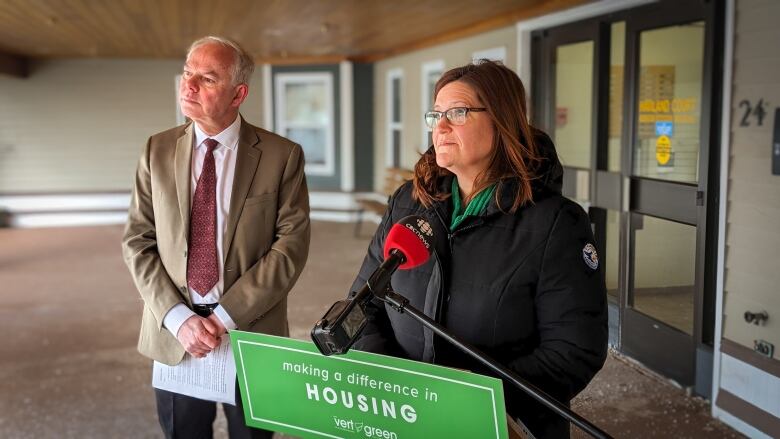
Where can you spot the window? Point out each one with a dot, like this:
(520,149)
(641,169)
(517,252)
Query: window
(671,62)
(305,115)
(394,123)
(431,72)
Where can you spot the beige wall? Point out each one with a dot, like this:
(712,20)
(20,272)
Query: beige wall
(453,54)
(79,125)
(752,277)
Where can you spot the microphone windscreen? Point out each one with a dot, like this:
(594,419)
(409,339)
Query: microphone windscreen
(412,236)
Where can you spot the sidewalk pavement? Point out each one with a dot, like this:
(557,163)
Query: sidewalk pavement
(70,316)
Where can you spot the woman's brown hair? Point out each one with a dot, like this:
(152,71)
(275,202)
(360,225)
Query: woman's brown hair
(514,153)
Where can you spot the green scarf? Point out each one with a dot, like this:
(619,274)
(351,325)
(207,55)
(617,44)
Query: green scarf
(475,207)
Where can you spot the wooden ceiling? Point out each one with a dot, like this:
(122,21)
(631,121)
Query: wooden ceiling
(274,31)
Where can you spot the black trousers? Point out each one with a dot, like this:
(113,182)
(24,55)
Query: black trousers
(185,417)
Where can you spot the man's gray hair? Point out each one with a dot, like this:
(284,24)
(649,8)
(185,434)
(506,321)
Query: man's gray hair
(243,64)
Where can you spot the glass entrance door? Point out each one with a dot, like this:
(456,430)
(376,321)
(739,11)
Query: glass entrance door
(573,115)
(627,98)
(667,158)
(568,105)
(578,101)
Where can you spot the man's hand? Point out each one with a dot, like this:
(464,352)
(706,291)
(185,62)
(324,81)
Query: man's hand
(197,336)
(220,328)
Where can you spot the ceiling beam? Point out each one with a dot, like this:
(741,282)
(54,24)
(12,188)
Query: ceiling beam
(14,65)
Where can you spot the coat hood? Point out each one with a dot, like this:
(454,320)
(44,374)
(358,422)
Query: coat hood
(550,171)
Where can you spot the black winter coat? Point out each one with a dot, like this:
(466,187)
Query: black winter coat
(520,287)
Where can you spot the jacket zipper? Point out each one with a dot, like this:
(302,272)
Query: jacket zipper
(440,302)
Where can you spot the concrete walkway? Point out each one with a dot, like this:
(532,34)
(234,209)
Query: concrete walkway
(70,316)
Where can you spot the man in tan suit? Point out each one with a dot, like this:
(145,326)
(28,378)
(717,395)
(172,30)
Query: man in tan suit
(217,232)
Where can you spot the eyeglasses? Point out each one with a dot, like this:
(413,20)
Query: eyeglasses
(456,116)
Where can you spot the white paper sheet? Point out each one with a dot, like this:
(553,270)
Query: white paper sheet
(212,378)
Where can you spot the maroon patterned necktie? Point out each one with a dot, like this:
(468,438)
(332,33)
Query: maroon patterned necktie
(202,265)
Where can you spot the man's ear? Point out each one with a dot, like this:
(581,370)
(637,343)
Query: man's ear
(242,90)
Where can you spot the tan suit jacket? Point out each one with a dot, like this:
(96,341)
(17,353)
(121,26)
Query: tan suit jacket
(266,239)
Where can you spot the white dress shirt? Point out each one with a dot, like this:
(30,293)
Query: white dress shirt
(225,165)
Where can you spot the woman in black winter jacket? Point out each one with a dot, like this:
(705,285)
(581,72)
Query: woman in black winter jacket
(517,275)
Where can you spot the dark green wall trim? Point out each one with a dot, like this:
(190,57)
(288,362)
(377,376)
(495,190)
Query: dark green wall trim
(363,98)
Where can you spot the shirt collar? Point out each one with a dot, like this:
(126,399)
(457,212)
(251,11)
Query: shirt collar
(227,138)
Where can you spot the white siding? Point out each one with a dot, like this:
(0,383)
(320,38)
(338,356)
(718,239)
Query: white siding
(752,235)
(79,125)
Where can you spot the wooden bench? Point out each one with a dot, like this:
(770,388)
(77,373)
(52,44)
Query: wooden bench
(394,178)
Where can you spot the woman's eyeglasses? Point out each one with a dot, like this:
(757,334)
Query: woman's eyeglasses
(456,116)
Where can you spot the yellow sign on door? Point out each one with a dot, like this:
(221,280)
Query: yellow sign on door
(663,150)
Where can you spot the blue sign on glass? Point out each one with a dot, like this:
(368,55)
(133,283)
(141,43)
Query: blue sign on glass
(664,128)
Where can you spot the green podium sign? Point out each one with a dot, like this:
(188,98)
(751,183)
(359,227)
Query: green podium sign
(288,386)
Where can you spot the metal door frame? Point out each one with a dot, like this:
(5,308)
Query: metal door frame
(688,361)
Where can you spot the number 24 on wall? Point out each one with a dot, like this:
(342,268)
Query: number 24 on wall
(757,112)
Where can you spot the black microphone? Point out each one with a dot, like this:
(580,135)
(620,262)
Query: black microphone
(408,245)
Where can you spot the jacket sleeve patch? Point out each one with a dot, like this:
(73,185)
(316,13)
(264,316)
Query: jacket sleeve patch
(590,256)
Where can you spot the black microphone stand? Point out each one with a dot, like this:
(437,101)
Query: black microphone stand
(401,304)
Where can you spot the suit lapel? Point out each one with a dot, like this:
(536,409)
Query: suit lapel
(182,170)
(246,167)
